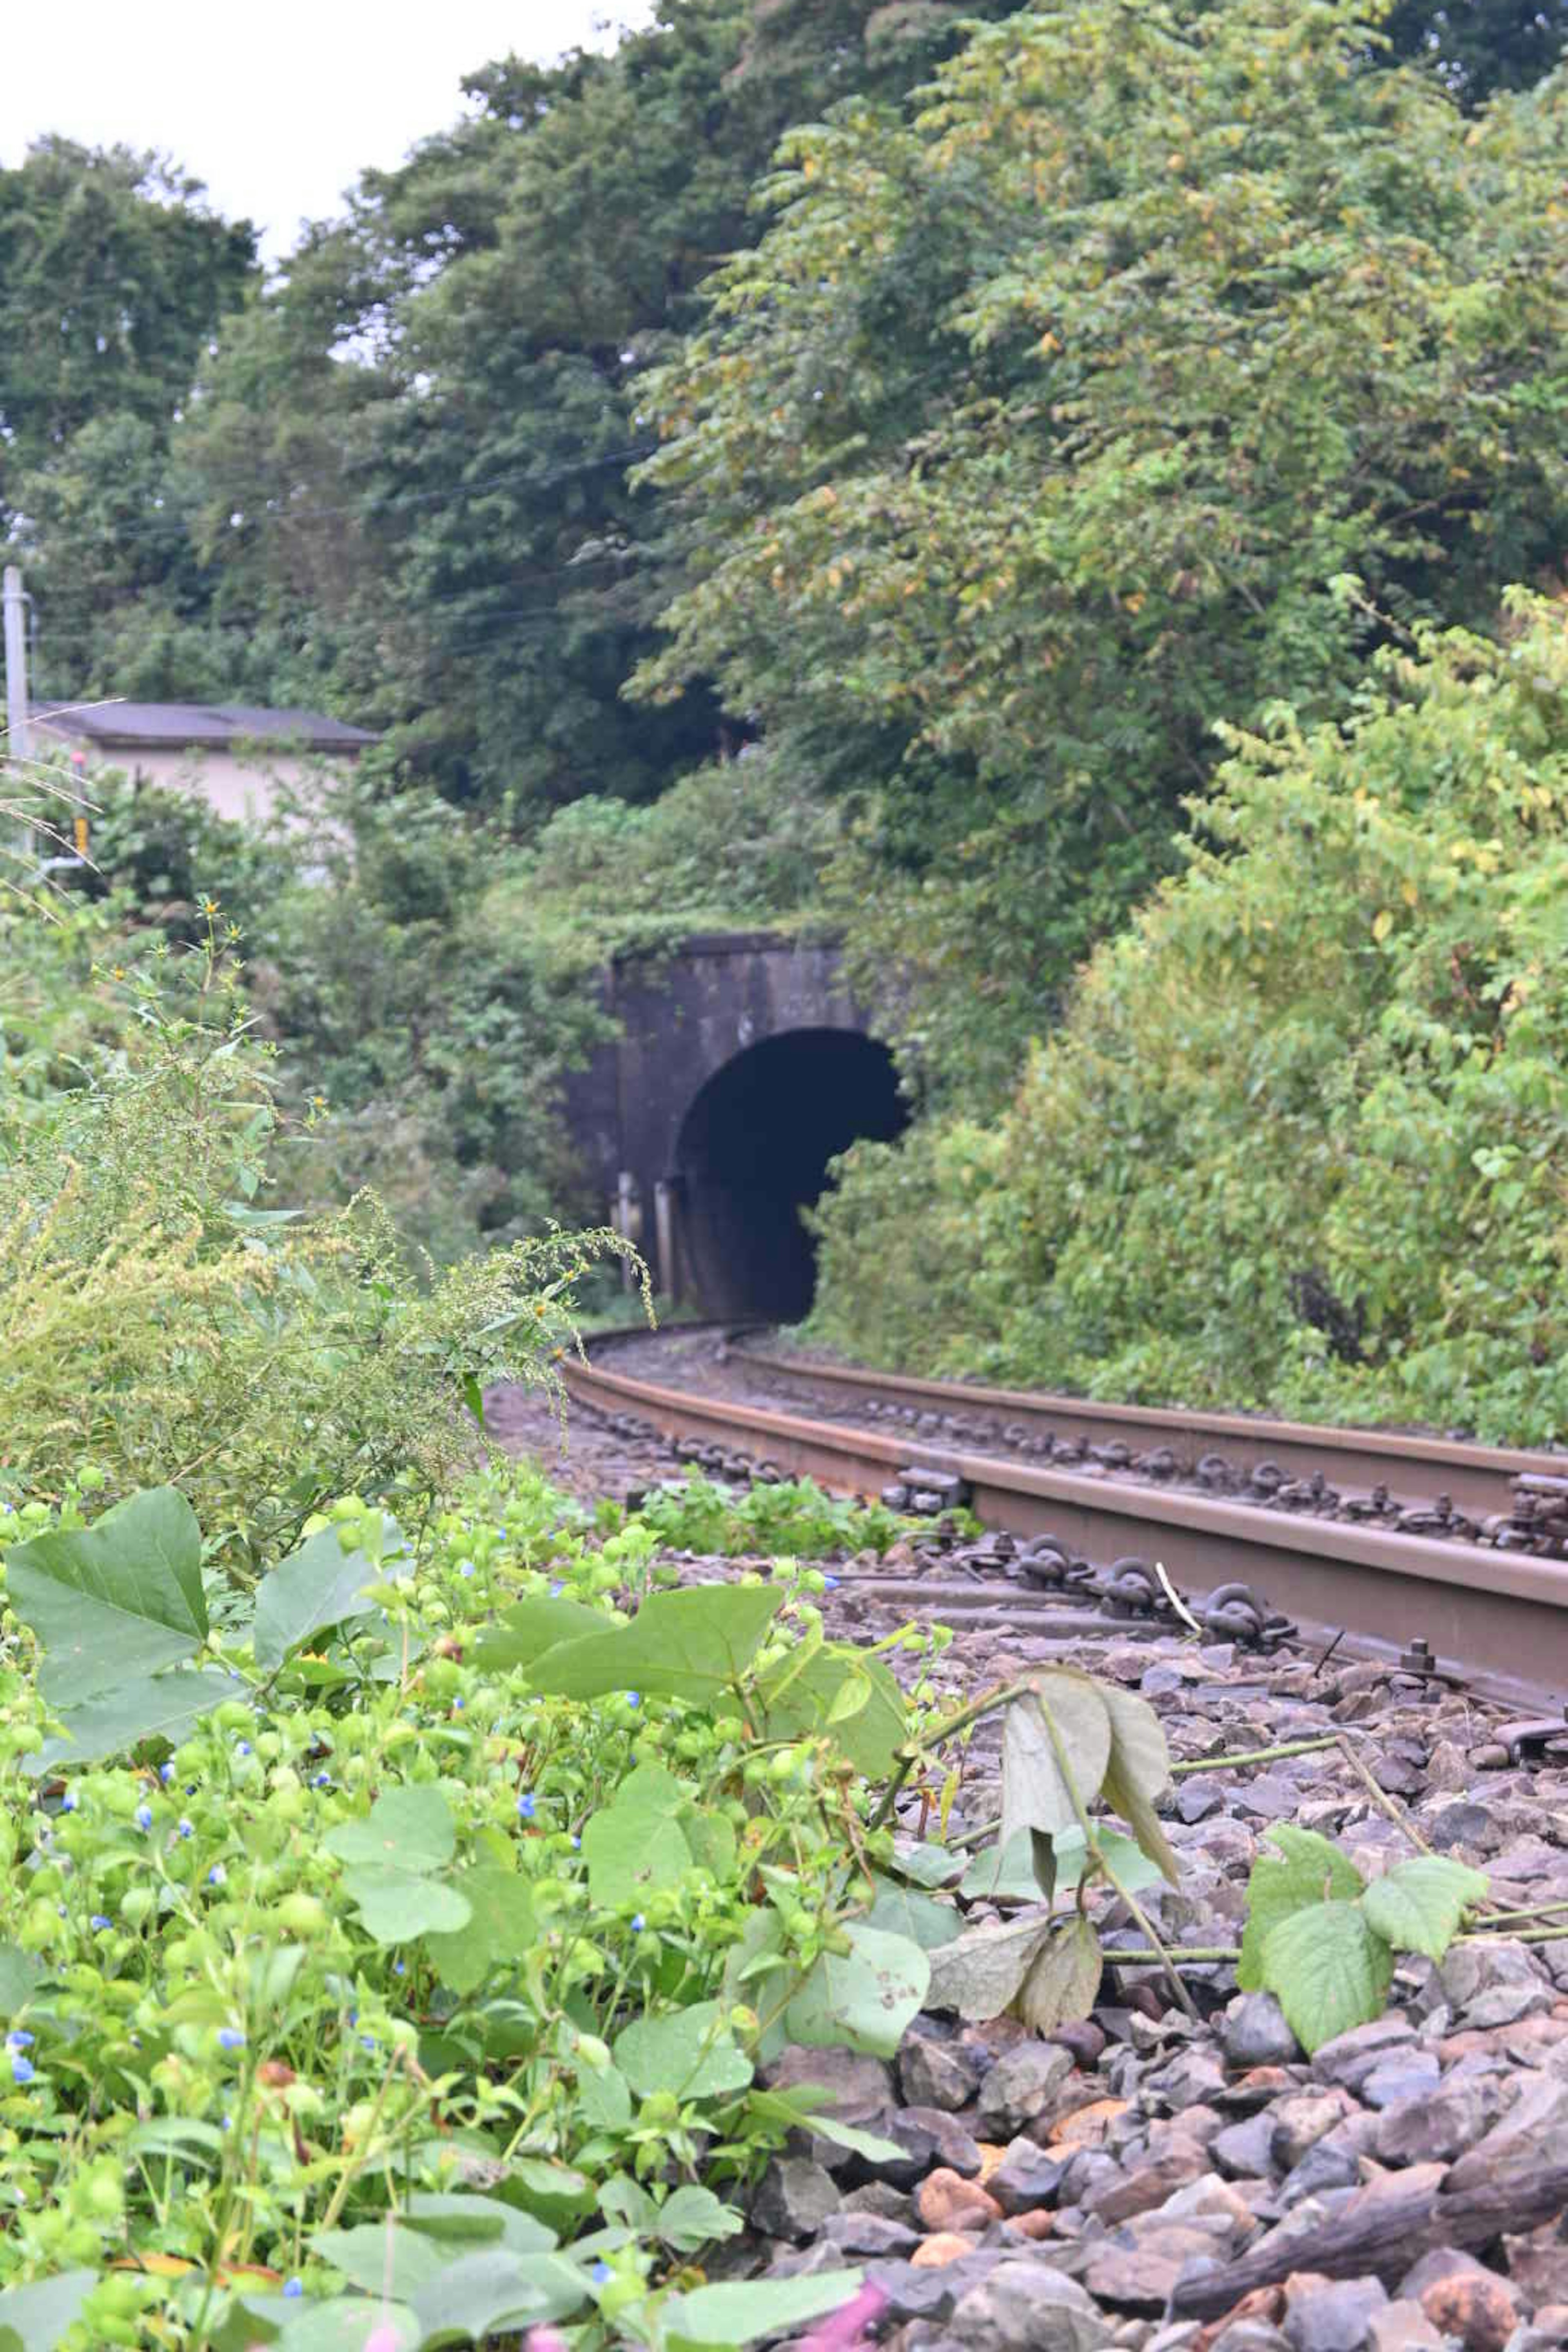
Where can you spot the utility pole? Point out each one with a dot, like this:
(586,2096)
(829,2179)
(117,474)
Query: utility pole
(16,665)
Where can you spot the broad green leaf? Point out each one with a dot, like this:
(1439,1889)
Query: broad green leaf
(317,1586)
(924,1864)
(632,1852)
(113,1602)
(1034,1793)
(397,1905)
(625,2199)
(449,2216)
(1005,1873)
(905,1911)
(870,1738)
(691,2218)
(555,2193)
(690,1645)
(981,1973)
(383,2257)
(344,2322)
(492,2292)
(529,1628)
(33,2318)
(651,1787)
(113,1722)
(1064,1982)
(871,2145)
(1327,1970)
(863,1998)
(500,1930)
(20,1977)
(408,1830)
(1418,1906)
(717,2318)
(712,1838)
(604,2097)
(1313,1871)
(689,2051)
(184,2137)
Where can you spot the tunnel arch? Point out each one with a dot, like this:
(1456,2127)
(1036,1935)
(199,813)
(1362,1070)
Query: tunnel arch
(753,1151)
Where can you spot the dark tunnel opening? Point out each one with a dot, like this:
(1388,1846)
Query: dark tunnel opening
(752,1152)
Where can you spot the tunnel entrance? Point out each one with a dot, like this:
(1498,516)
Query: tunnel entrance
(752,1152)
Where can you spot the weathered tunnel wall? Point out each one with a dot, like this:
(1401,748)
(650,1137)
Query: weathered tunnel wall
(742,1065)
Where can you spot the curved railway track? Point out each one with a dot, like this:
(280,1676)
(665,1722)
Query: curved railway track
(1472,1587)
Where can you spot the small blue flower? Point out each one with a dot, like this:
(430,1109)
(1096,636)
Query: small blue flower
(69,1801)
(638,1923)
(600,2273)
(166,1773)
(18,2039)
(242,1747)
(143,1817)
(292,2288)
(400,1967)
(368,2040)
(97,1922)
(22,2069)
(217,1875)
(526,1805)
(187,1829)
(320,1780)
(830,1581)
(465,1568)
(459,1703)
(235,1676)
(230,2038)
(228,2122)
(634,1698)
(576,1842)
(556,1589)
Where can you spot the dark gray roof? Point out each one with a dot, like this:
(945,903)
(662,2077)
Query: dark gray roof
(189,726)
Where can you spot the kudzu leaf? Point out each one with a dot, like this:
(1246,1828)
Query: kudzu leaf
(317,1586)
(689,2051)
(498,1931)
(1310,1870)
(495,2292)
(113,1602)
(712,1838)
(410,1830)
(719,2318)
(631,1852)
(1034,1795)
(397,1905)
(799,1700)
(530,1627)
(1063,1982)
(1418,1906)
(604,2097)
(113,1722)
(980,1974)
(905,1911)
(383,2257)
(33,2318)
(862,1998)
(20,1977)
(1327,1970)
(690,1645)
(471,2220)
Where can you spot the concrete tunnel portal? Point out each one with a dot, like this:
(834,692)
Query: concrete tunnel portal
(752,1151)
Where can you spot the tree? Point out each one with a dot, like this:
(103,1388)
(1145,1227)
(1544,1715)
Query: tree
(1476,47)
(1028,441)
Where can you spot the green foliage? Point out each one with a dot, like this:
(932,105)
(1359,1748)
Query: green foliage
(792,1515)
(395,1906)
(1323,1941)
(1299,1141)
(991,525)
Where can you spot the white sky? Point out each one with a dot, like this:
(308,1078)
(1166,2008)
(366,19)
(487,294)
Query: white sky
(279,108)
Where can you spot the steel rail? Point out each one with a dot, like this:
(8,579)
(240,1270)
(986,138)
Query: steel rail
(1476,1478)
(1502,1614)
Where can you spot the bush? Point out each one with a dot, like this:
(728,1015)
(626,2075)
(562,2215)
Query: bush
(1299,1140)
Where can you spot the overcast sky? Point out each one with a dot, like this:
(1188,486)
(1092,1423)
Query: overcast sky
(277,109)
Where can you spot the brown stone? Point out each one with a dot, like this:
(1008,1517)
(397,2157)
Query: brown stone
(945,2200)
(945,2246)
(1147,2184)
(1140,2268)
(1038,2224)
(1087,2125)
(1264,2303)
(1473,2306)
(1538,2265)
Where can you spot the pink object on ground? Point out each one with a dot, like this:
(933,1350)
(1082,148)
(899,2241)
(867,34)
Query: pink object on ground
(848,2325)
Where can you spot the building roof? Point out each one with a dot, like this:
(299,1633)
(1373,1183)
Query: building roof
(196,726)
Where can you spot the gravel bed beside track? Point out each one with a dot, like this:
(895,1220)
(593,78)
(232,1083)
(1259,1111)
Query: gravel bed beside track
(1144,2180)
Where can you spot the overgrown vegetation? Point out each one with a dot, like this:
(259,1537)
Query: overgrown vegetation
(1299,1142)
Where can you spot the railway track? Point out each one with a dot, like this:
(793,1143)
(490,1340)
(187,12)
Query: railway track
(1472,1589)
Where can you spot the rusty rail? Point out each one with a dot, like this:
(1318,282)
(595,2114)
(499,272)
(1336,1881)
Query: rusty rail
(1500,1613)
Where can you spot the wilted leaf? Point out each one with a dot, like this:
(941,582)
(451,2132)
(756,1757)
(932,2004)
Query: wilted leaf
(1034,1793)
(1328,1970)
(1064,1980)
(981,1973)
(1418,1906)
